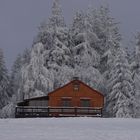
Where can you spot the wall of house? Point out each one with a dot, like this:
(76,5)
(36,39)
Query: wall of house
(75,96)
(38,102)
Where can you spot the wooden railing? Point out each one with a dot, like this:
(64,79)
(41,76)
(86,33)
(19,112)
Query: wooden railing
(32,111)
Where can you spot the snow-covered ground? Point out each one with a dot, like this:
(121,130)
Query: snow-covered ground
(70,129)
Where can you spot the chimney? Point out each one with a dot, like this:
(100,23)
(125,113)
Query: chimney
(75,78)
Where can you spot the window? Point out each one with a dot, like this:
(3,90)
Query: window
(76,87)
(85,102)
(66,102)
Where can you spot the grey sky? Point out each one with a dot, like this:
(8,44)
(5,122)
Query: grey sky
(19,20)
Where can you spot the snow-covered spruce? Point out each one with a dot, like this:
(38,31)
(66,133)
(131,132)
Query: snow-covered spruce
(135,66)
(120,97)
(4,82)
(37,80)
(85,58)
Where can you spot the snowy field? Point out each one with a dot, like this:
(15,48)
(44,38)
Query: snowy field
(70,129)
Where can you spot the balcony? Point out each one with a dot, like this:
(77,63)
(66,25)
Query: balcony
(33,111)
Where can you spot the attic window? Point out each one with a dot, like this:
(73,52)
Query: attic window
(76,86)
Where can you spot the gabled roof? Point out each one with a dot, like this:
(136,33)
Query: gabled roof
(73,81)
(78,82)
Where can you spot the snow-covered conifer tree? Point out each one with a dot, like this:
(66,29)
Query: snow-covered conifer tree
(15,82)
(25,57)
(108,41)
(136,74)
(58,58)
(16,75)
(4,82)
(16,85)
(120,97)
(54,35)
(85,57)
(107,32)
(57,19)
(37,80)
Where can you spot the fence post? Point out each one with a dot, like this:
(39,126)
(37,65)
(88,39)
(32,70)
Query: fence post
(75,111)
(16,112)
(48,113)
(101,112)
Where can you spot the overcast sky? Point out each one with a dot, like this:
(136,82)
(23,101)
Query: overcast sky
(19,20)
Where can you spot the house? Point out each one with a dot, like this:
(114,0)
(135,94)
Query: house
(73,99)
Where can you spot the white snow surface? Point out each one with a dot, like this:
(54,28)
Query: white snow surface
(70,129)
